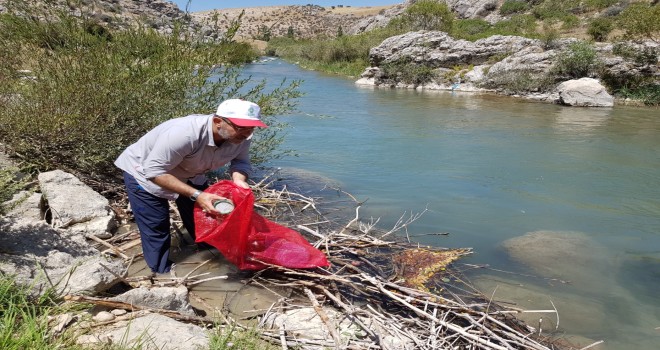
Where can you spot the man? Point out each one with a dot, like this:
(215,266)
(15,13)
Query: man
(170,163)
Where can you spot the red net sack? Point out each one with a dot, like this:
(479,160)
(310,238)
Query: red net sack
(245,237)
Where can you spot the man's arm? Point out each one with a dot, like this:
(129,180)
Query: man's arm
(170,182)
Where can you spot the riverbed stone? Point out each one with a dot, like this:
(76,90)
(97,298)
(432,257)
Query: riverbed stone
(165,298)
(568,256)
(584,92)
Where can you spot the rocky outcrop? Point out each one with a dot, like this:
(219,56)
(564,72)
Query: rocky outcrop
(115,14)
(438,49)
(584,92)
(380,20)
(506,64)
(472,8)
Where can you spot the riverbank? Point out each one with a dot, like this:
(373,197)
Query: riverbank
(376,283)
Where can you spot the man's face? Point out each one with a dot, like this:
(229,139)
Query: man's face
(228,131)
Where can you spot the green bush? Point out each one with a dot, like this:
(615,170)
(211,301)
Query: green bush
(428,15)
(640,21)
(600,28)
(347,55)
(644,55)
(471,29)
(522,25)
(91,97)
(513,6)
(599,4)
(407,72)
(578,60)
(10,183)
(519,82)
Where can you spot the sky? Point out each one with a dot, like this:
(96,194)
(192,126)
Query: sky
(203,5)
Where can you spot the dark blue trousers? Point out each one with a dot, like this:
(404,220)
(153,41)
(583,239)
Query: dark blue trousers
(152,216)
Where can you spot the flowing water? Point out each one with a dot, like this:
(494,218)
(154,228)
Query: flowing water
(487,169)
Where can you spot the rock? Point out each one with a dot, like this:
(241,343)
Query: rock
(103,316)
(119,312)
(584,92)
(565,255)
(438,49)
(166,298)
(157,332)
(32,250)
(472,8)
(72,202)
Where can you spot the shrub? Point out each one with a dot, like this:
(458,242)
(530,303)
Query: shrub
(471,29)
(600,28)
(92,97)
(428,15)
(523,25)
(513,6)
(10,184)
(519,82)
(640,21)
(577,61)
(407,72)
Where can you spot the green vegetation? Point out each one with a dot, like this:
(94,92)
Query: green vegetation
(25,324)
(24,319)
(639,21)
(578,60)
(513,6)
(425,15)
(10,183)
(600,28)
(75,94)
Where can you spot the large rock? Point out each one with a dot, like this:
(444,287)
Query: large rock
(565,255)
(41,257)
(73,204)
(438,49)
(157,332)
(584,92)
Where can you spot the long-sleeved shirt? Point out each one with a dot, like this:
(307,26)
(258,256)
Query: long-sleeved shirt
(184,148)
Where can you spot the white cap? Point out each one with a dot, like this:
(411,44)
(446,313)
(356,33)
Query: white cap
(241,113)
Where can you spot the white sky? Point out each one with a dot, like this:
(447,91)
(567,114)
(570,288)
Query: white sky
(202,5)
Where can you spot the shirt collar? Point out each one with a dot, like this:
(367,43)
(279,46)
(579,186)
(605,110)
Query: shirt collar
(210,132)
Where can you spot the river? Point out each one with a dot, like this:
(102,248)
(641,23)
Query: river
(486,169)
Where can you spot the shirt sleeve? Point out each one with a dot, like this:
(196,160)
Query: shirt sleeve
(241,162)
(168,151)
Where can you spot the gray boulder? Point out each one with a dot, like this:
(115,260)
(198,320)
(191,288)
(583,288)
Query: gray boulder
(584,92)
(39,256)
(156,332)
(74,205)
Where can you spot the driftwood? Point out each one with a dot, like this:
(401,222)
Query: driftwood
(369,284)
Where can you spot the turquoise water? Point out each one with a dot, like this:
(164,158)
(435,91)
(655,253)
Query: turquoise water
(490,168)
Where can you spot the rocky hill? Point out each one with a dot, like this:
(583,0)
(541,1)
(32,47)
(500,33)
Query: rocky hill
(114,13)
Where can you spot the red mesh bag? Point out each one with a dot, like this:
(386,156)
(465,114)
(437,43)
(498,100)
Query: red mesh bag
(245,237)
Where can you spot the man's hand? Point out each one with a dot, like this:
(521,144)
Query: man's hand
(240,180)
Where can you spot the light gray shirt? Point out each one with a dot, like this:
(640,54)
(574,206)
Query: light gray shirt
(182,147)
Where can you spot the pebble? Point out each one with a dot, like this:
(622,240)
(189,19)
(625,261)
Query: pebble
(103,316)
(119,312)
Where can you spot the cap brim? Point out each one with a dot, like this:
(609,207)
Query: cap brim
(247,122)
